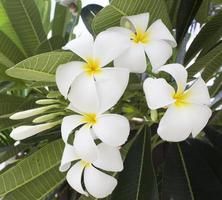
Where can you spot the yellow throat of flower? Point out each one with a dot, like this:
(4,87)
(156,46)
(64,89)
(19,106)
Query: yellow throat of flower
(90,119)
(140,37)
(85,164)
(92,66)
(181,98)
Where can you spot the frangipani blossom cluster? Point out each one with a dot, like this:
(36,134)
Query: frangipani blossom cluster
(93,88)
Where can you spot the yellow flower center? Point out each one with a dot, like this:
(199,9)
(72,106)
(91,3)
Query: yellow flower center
(140,37)
(85,164)
(90,119)
(92,66)
(181,98)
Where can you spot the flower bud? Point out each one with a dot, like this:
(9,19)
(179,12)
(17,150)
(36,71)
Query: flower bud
(32,112)
(23,132)
(154,115)
(46,101)
(47,117)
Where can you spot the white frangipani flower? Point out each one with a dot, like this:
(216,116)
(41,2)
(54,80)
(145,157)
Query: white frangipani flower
(138,39)
(88,85)
(112,129)
(23,132)
(187,110)
(97,183)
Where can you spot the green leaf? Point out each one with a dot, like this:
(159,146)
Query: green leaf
(111,14)
(10,54)
(186,13)
(7,28)
(26,21)
(202,14)
(207,37)
(61,20)
(216,119)
(216,87)
(88,13)
(41,67)
(211,63)
(44,7)
(192,171)
(137,180)
(12,151)
(39,188)
(173,7)
(54,43)
(32,167)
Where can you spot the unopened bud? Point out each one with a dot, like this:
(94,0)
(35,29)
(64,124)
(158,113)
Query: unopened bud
(154,115)
(47,117)
(47,101)
(32,112)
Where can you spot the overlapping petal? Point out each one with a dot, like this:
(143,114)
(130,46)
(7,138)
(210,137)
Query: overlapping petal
(110,85)
(158,52)
(179,73)
(66,73)
(82,46)
(198,93)
(69,155)
(139,21)
(109,158)
(69,123)
(74,177)
(158,93)
(178,122)
(112,129)
(83,94)
(133,58)
(98,183)
(158,31)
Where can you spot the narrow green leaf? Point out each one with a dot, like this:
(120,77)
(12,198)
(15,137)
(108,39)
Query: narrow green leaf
(215,88)
(173,7)
(207,37)
(7,28)
(32,167)
(202,14)
(88,13)
(211,63)
(137,180)
(111,14)
(186,13)
(39,188)
(26,21)
(10,54)
(41,67)
(54,43)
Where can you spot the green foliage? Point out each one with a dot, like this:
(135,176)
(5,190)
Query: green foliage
(41,67)
(110,15)
(32,167)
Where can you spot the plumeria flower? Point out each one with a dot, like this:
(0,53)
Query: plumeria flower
(187,110)
(139,40)
(97,183)
(112,129)
(88,85)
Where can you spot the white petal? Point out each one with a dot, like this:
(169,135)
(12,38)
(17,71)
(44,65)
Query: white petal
(110,44)
(82,46)
(109,158)
(112,129)
(74,177)
(158,93)
(158,31)
(158,53)
(198,93)
(179,73)
(23,132)
(97,183)
(111,85)
(83,94)
(69,155)
(85,145)
(179,121)
(69,123)
(66,73)
(139,21)
(133,58)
